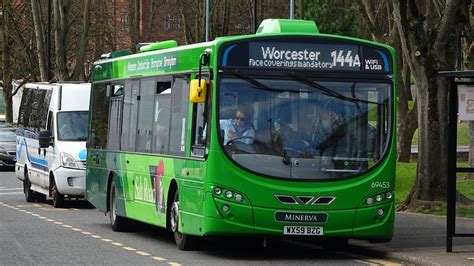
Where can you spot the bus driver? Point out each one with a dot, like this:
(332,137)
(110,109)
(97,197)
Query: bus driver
(240,127)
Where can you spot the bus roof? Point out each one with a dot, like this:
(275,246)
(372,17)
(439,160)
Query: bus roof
(166,56)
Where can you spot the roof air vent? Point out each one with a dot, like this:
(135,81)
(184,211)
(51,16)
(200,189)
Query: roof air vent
(287,26)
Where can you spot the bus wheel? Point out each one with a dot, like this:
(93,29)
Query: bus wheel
(58,198)
(184,242)
(118,223)
(30,196)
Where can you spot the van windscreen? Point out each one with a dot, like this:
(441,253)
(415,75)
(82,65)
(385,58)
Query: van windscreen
(72,126)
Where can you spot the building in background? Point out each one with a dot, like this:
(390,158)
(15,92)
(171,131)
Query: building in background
(184,20)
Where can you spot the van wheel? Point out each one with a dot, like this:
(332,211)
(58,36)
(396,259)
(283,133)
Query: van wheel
(58,198)
(184,242)
(30,196)
(119,223)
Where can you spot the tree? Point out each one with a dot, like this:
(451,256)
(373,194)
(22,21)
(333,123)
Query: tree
(333,16)
(79,68)
(40,40)
(427,32)
(6,57)
(379,20)
(134,18)
(468,51)
(71,20)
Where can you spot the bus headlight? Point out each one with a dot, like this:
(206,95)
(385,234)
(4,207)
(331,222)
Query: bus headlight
(378,198)
(370,201)
(68,161)
(238,197)
(380,212)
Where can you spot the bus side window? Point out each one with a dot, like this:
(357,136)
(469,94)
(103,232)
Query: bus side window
(201,127)
(179,115)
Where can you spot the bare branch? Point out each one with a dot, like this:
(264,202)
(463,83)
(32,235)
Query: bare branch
(446,24)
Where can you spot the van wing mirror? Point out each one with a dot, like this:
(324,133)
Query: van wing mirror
(44,138)
(197,92)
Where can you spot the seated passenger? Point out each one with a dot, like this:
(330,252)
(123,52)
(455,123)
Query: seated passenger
(239,128)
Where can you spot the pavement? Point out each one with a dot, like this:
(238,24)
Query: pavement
(421,240)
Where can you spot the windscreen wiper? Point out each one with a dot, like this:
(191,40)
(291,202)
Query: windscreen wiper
(260,85)
(326,90)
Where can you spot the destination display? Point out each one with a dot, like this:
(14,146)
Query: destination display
(307,54)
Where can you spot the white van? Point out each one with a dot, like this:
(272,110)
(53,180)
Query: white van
(51,140)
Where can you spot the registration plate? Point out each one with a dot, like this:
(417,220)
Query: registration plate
(303,230)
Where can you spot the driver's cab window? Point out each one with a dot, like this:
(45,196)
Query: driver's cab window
(201,128)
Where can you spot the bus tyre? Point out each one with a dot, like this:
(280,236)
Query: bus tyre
(58,198)
(184,242)
(30,196)
(118,223)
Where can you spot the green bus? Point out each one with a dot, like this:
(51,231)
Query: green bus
(285,133)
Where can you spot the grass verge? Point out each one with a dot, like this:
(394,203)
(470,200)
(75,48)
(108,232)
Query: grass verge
(405,179)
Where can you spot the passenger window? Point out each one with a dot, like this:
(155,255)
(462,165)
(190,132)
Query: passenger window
(145,108)
(115,118)
(161,118)
(180,99)
(99,116)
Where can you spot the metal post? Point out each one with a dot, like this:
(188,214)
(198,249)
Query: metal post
(451,186)
(207,20)
(292,9)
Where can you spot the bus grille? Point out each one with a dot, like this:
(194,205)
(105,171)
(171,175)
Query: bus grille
(324,200)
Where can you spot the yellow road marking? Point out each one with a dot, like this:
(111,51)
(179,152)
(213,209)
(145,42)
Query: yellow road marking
(142,253)
(52,209)
(383,262)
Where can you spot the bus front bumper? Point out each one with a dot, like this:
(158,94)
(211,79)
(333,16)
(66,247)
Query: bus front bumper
(362,223)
